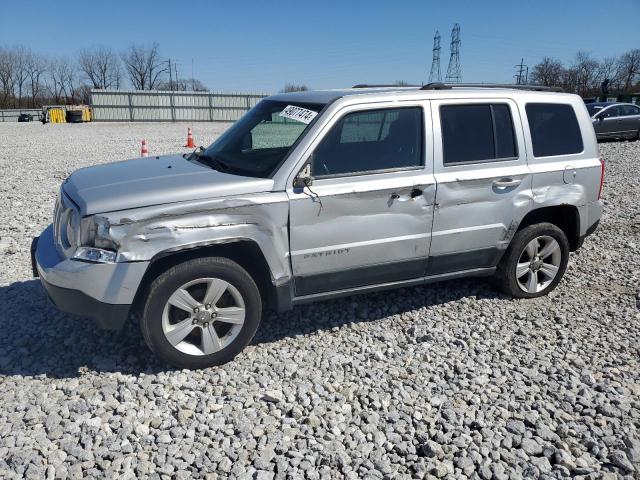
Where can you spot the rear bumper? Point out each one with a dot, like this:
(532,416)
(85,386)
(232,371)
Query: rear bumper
(590,218)
(103,292)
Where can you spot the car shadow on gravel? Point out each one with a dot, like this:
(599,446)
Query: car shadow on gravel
(328,314)
(38,340)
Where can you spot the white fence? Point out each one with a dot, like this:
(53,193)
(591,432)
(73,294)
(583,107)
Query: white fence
(152,106)
(11,115)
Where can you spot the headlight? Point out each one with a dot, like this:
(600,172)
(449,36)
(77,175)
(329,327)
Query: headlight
(96,244)
(97,255)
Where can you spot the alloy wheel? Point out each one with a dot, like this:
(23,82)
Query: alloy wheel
(538,264)
(203,316)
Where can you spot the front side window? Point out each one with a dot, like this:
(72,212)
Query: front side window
(477,133)
(257,144)
(370,141)
(611,112)
(593,109)
(554,129)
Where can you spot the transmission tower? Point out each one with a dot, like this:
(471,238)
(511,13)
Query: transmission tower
(435,75)
(522,73)
(454,72)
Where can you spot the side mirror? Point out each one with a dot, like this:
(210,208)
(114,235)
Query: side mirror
(304,178)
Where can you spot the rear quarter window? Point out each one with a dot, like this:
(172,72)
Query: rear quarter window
(554,129)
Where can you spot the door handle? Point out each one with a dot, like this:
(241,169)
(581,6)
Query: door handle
(507,182)
(414,193)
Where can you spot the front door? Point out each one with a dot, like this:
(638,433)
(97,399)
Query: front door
(610,121)
(484,183)
(366,219)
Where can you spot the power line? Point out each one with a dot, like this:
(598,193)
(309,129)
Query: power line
(435,75)
(454,71)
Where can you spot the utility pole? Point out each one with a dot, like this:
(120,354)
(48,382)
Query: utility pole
(170,79)
(522,73)
(454,71)
(175,66)
(435,75)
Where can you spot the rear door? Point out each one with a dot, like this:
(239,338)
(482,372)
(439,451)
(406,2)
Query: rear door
(366,219)
(484,183)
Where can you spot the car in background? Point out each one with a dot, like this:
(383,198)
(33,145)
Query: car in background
(615,120)
(25,117)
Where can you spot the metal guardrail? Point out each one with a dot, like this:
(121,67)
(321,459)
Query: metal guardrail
(170,106)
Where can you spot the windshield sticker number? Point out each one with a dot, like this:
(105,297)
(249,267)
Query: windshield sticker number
(298,113)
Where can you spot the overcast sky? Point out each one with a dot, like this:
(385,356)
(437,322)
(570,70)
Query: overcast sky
(260,46)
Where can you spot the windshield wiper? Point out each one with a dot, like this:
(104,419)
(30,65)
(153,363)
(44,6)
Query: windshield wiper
(213,161)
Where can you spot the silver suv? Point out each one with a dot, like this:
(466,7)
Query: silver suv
(315,195)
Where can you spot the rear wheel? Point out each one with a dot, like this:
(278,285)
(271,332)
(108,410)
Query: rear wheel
(535,261)
(201,313)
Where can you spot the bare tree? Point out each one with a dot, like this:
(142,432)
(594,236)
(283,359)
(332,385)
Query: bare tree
(7,75)
(548,72)
(629,68)
(101,66)
(144,66)
(586,73)
(290,87)
(183,85)
(36,66)
(608,70)
(62,80)
(21,54)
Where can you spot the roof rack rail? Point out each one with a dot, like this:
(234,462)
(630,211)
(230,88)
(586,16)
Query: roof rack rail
(446,86)
(389,85)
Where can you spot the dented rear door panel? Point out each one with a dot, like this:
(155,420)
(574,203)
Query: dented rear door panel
(475,217)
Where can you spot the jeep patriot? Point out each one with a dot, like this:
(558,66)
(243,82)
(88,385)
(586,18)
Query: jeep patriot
(320,194)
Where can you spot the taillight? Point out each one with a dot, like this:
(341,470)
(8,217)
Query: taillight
(601,178)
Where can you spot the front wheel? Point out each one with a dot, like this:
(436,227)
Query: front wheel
(201,313)
(535,261)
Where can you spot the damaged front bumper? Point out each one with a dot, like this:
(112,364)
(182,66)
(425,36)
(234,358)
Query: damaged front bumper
(102,292)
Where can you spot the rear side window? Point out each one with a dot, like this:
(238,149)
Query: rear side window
(477,133)
(554,129)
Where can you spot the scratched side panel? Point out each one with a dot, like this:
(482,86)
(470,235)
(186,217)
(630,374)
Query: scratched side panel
(359,224)
(142,233)
(471,214)
(567,179)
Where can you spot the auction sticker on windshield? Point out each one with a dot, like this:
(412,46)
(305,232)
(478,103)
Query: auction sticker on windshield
(298,113)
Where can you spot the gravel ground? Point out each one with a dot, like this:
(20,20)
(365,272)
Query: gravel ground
(450,381)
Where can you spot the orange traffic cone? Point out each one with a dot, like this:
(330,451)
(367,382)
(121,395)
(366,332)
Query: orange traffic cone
(190,143)
(144,152)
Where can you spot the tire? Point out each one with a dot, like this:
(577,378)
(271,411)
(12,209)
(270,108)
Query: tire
(539,277)
(214,333)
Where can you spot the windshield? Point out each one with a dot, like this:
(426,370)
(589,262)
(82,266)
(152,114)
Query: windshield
(256,145)
(593,109)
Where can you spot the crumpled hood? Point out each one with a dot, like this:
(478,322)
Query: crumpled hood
(153,181)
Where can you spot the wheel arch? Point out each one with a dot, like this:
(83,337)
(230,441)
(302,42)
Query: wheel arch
(244,252)
(565,217)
